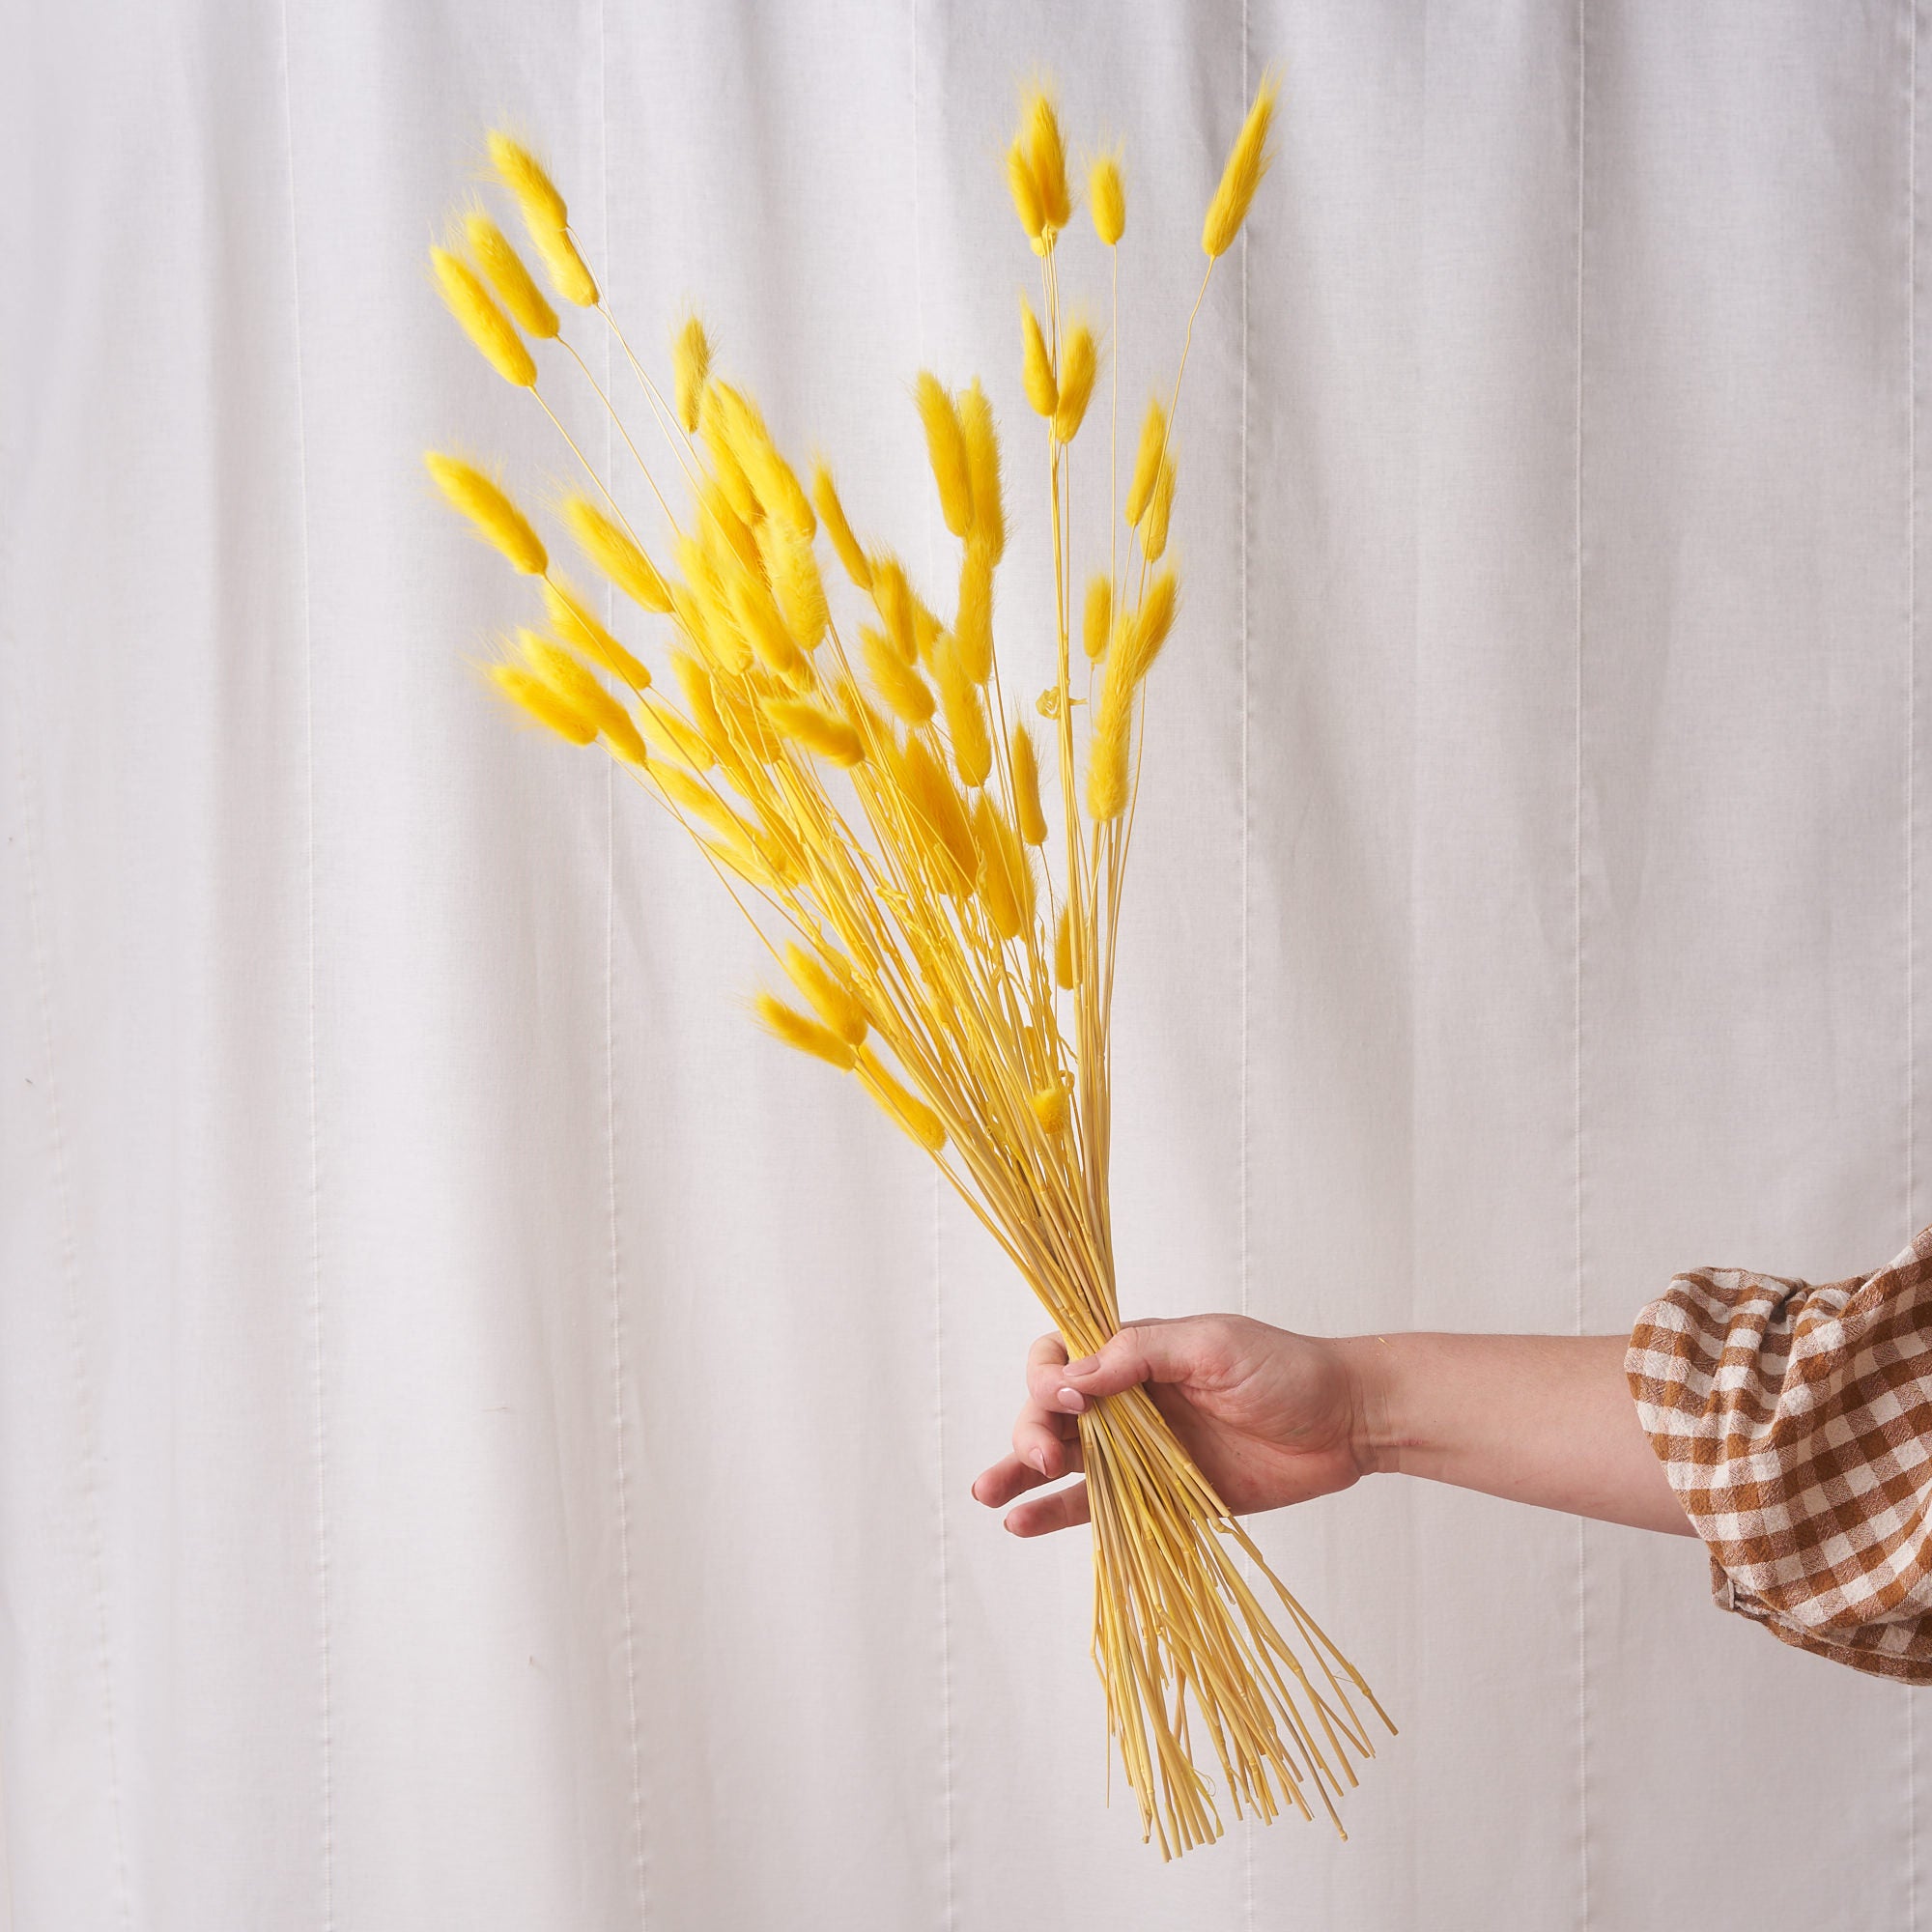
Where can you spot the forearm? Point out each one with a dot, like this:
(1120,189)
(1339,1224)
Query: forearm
(1543,1419)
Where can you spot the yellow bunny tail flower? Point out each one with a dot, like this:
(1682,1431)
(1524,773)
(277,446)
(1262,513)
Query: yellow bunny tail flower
(1026,786)
(817,730)
(926,629)
(829,993)
(946,450)
(1107,198)
(973,626)
(695,681)
(903,688)
(982,465)
(1046,157)
(672,737)
(1148,632)
(726,537)
(1079,362)
(831,513)
(715,427)
(774,486)
(1004,872)
(1097,620)
(1037,365)
(1065,960)
(1049,1108)
(1025,191)
(705,611)
(524,174)
(483,322)
(697,801)
(578,688)
(568,274)
(892,599)
(497,518)
(763,625)
(572,620)
(1107,764)
(1247,162)
(912,1114)
(939,817)
(1160,508)
(614,553)
(690,364)
(538,701)
(1146,460)
(504,269)
(788,1024)
(792,570)
(965,715)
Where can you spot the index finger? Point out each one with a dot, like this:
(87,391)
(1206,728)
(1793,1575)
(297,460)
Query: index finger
(1044,1359)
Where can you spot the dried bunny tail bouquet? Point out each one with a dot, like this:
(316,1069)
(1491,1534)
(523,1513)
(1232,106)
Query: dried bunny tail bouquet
(937,895)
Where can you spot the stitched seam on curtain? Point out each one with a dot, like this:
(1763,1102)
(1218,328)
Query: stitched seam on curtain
(950,1904)
(320,1436)
(1247,1824)
(1911,799)
(618,1379)
(1582,1528)
(69,1274)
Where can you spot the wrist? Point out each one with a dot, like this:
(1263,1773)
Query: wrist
(1377,1435)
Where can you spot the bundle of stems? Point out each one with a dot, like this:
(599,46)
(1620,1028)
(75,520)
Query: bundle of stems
(861,786)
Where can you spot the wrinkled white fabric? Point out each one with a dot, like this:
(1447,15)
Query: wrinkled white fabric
(484,1434)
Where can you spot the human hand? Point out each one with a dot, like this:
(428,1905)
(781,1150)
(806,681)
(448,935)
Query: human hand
(1269,1416)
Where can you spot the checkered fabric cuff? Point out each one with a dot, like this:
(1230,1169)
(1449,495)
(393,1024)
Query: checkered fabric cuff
(1795,1425)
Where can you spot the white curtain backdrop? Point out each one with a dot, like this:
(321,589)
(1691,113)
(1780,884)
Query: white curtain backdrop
(484,1434)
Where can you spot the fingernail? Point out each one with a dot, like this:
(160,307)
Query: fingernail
(974,1491)
(1038,1460)
(1073,1400)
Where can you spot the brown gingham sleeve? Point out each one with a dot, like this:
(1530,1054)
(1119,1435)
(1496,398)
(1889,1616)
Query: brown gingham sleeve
(1795,1425)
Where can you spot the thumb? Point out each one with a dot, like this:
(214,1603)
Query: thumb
(1143,1351)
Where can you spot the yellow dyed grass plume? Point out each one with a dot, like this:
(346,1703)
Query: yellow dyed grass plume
(1247,162)
(1079,362)
(483,322)
(483,500)
(946,450)
(1107,199)
(618,555)
(503,269)
(691,365)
